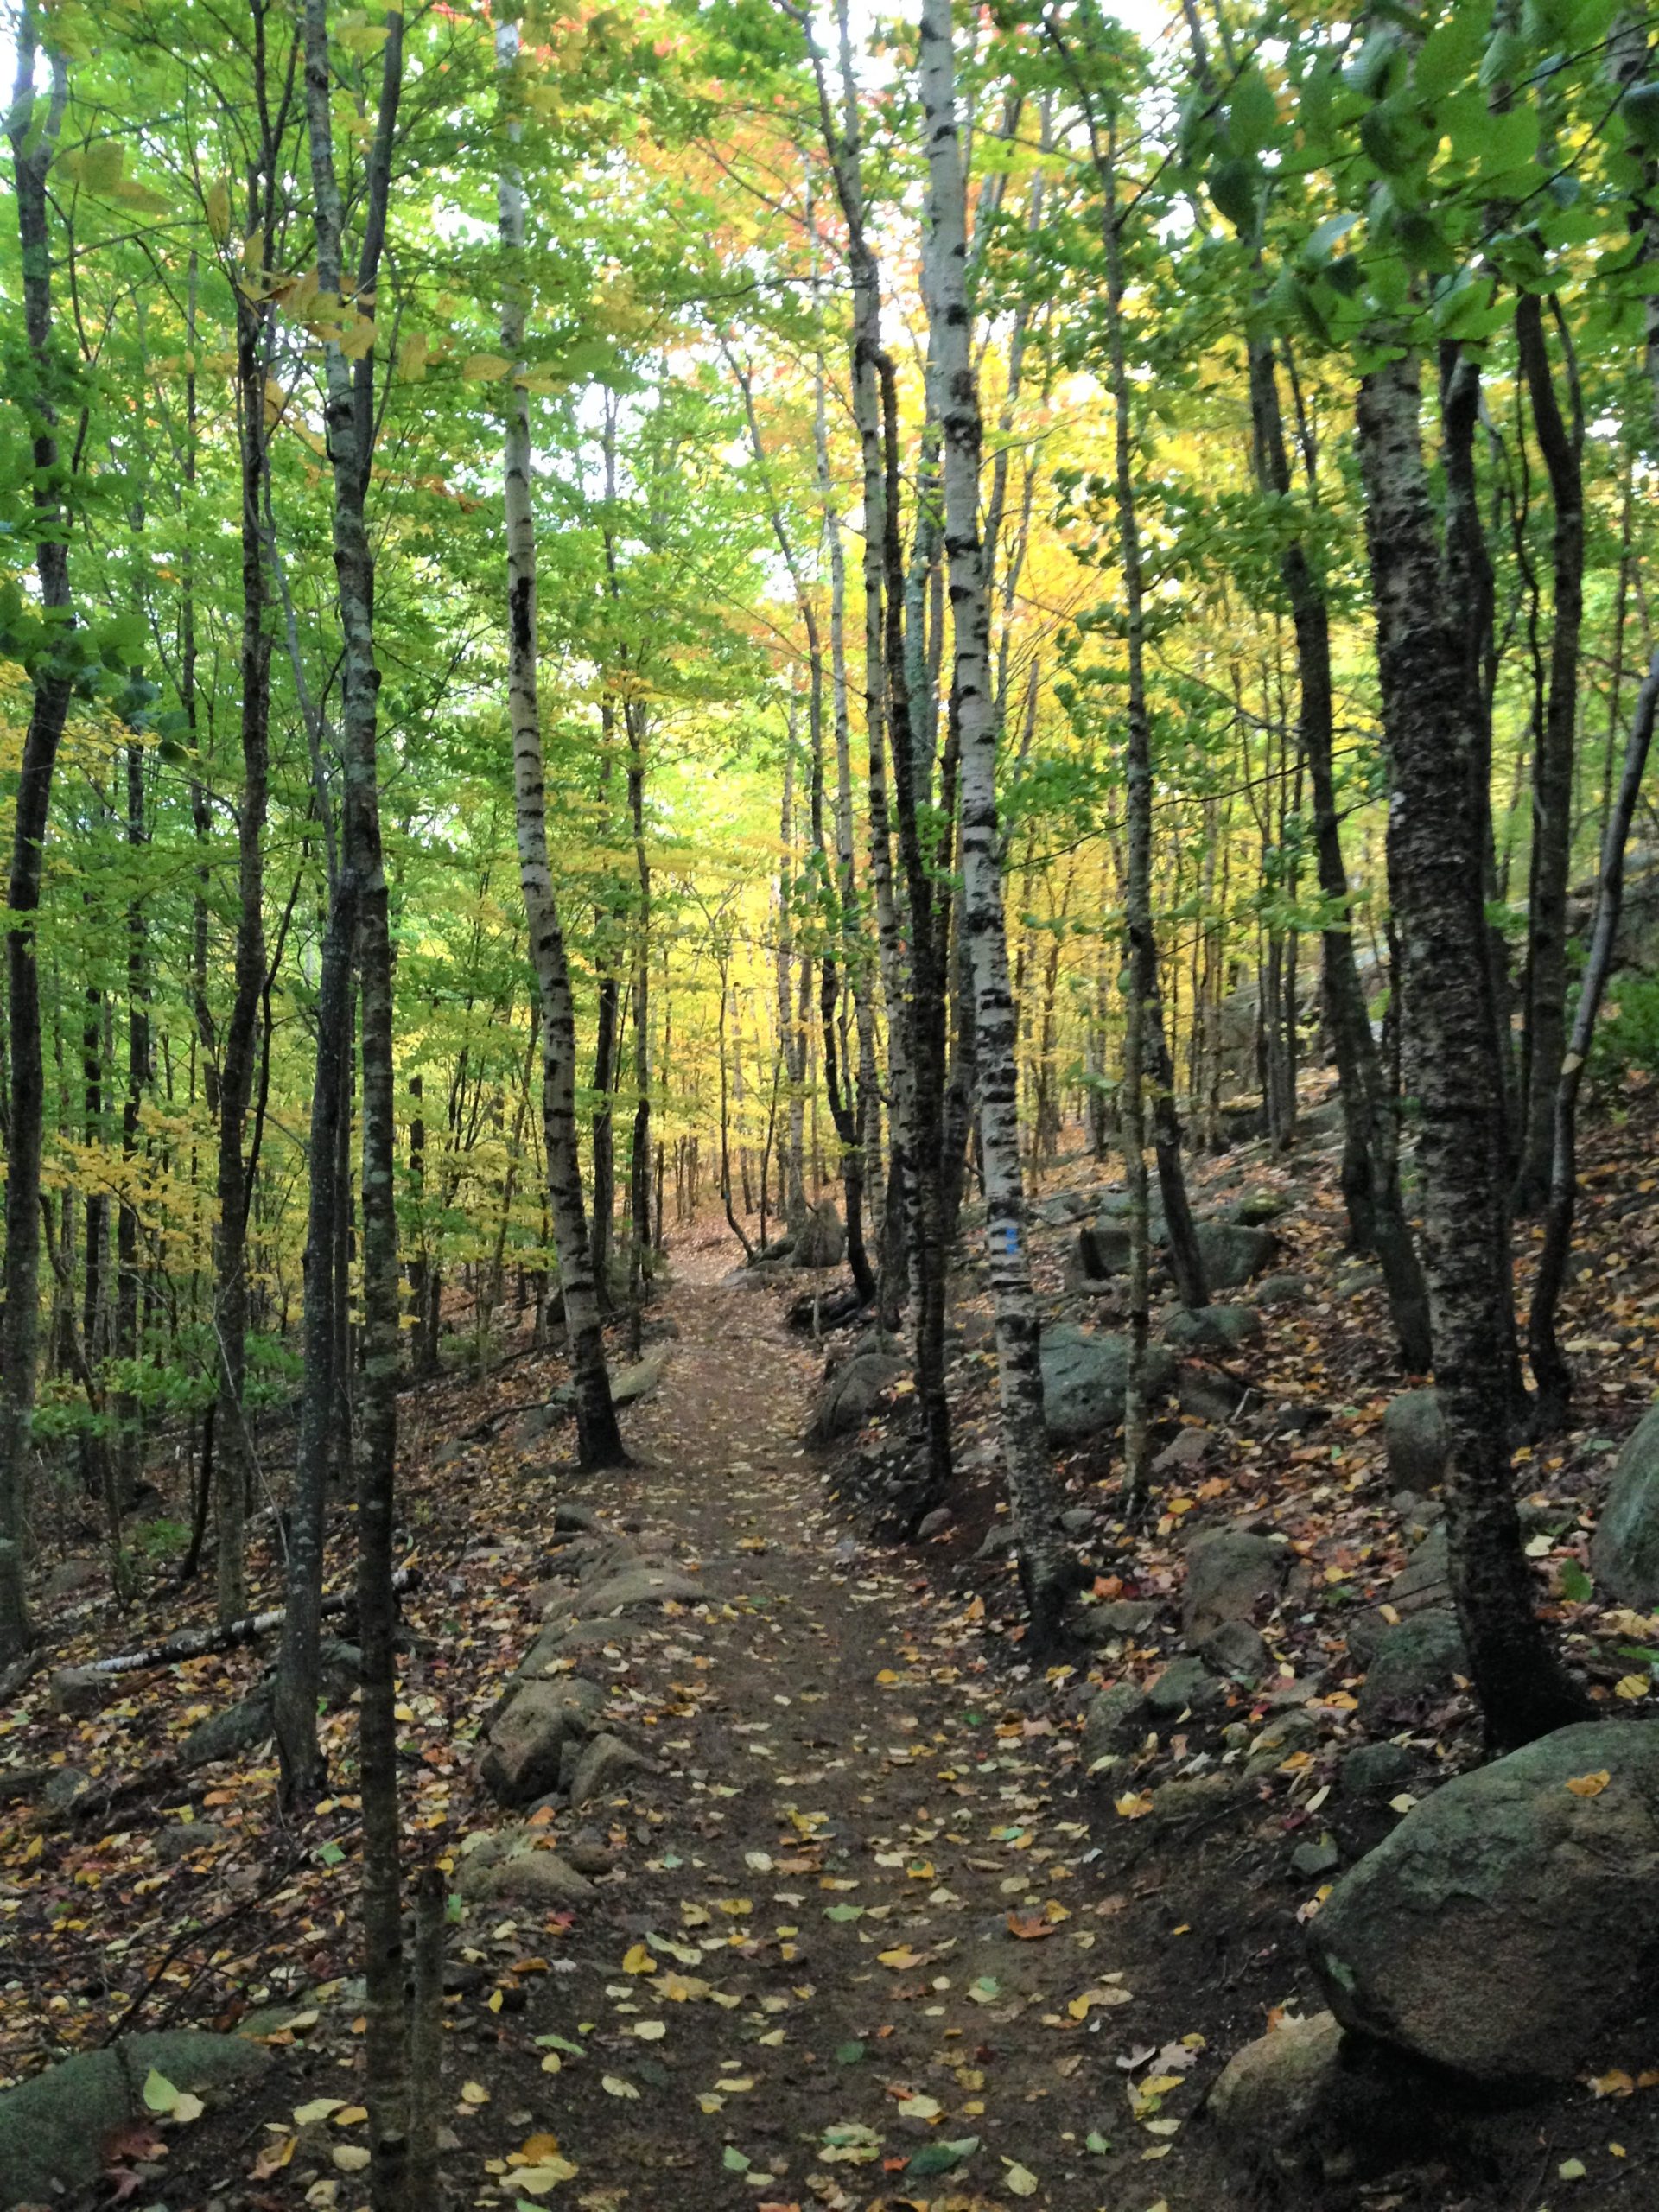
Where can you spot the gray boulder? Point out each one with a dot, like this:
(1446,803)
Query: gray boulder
(623,1588)
(53,2127)
(1213,1328)
(1508,1927)
(853,1392)
(1231,1575)
(630,1384)
(510,1869)
(77,1693)
(1117,1616)
(230,1734)
(1084,1377)
(1103,1251)
(1411,1667)
(1256,1207)
(1273,2095)
(1624,1556)
(1061,1207)
(1374,1770)
(1115,1720)
(1283,1289)
(1413,1434)
(1237,1649)
(822,1242)
(1185,1685)
(604,1767)
(1424,1580)
(1232,1252)
(527,1738)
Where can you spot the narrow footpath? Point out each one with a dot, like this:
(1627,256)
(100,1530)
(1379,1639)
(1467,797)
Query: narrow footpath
(857,1945)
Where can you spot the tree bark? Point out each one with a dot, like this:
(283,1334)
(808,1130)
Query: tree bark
(34,143)
(1371,1161)
(1561,443)
(1436,878)
(599,1439)
(1046,1568)
(350,421)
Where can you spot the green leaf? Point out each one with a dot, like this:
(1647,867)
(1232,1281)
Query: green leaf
(940,2158)
(159,2095)
(1451,55)
(1324,241)
(1094,2141)
(849,2054)
(1509,142)
(734,2160)
(844,1912)
(1233,187)
(1576,1585)
(1252,113)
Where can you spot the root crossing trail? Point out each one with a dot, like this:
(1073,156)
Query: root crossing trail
(851,1952)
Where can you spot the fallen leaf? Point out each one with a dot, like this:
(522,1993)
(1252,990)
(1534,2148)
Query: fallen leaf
(1589,1785)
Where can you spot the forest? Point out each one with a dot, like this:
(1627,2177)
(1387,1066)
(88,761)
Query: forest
(830,894)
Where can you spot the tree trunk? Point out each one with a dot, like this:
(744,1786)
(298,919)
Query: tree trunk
(599,1439)
(1561,443)
(349,419)
(1436,878)
(1046,1568)
(34,143)
(1370,1160)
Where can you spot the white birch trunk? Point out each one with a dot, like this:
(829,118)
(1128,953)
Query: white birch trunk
(1044,1562)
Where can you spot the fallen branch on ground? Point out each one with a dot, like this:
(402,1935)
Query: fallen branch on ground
(198,1642)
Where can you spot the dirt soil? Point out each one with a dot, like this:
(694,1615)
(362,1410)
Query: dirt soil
(868,1936)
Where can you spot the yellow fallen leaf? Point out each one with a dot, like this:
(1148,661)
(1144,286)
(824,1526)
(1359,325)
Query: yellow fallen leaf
(535,2148)
(351,2115)
(350,2158)
(639,1960)
(1134,1806)
(1615,2084)
(473,2092)
(273,2158)
(651,2030)
(536,2180)
(1632,1686)
(1020,2179)
(900,1958)
(1589,1785)
(614,2086)
(734,2084)
(319,2108)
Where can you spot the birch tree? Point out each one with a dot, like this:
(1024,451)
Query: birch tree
(599,1438)
(1047,1569)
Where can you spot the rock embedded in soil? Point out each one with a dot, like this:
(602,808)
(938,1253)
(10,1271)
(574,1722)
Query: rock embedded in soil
(527,1738)
(1374,1770)
(1625,1555)
(1213,1328)
(603,1767)
(1185,1684)
(53,2127)
(1507,1927)
(1283,1289)
(1272,2095)
(822,1241)
(1084,1377)
(853,1391)
(509,1868)
(1115,1720)
(77,1693)
(1118,1617)
(1414,1435)
(1231,1575)
(1237,1648)
(1412,1666)
(1233,1254)
(229,1735)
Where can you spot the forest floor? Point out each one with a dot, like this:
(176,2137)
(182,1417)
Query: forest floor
(865,1936)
